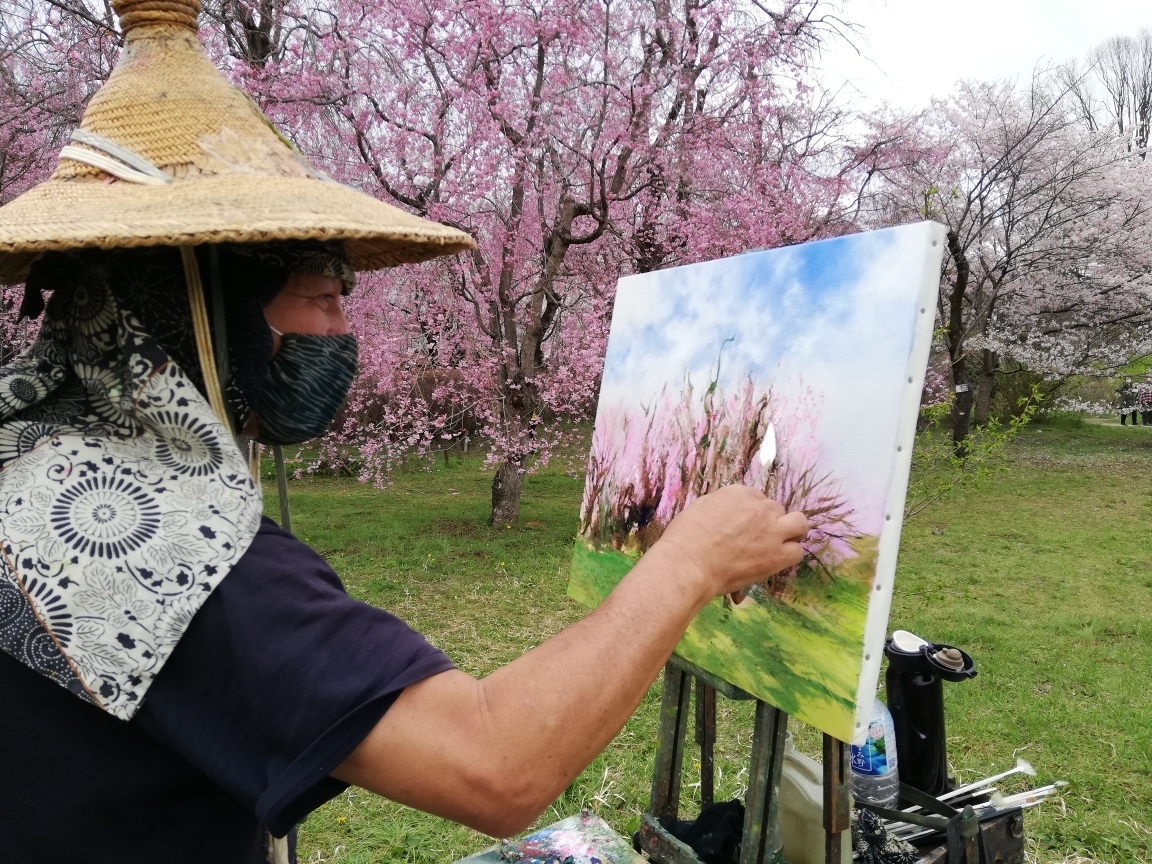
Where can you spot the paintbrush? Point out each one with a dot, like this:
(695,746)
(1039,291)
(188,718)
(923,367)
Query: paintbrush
(963,794)
(999,801)
(767,456)
(1029,797)
(910,833)
(1023,766)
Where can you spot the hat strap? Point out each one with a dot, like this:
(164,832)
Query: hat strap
(114,159)
(123,163)
(203,335)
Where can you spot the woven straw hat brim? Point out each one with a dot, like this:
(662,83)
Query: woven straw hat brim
(235,208)
(169,153)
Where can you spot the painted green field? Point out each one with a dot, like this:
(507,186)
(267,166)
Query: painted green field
(802,655)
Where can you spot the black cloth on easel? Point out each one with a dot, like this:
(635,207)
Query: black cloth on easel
(715,834)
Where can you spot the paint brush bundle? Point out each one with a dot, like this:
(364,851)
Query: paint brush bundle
(986,800)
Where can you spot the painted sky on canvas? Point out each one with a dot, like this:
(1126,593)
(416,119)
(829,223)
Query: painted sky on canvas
(835,316)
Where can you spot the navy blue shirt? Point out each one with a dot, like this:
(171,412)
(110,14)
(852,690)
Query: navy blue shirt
(278,678)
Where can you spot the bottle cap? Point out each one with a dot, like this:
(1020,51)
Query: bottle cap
(949,657)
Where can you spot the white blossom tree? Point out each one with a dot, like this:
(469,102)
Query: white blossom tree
(1047,261)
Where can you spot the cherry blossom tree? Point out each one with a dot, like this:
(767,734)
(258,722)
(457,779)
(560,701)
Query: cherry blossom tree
(1047,260)
(575,141)
(52,58)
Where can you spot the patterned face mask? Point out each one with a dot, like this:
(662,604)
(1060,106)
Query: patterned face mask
(304,386)
(296,403)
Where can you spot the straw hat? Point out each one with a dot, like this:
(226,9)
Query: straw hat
(168,153)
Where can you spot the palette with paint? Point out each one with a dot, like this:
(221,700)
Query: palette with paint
(583,839)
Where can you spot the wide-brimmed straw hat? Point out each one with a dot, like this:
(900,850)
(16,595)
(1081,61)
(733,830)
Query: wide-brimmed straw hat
(168,153)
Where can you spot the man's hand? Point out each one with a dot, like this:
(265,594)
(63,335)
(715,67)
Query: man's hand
(733,537)
(495,753)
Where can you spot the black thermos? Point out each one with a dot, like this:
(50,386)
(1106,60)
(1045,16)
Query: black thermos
(916,669)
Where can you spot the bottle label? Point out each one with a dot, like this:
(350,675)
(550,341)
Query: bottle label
(877,755)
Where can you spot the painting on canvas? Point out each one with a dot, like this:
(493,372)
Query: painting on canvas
(797,371)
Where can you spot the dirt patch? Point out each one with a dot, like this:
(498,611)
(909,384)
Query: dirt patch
(460,527)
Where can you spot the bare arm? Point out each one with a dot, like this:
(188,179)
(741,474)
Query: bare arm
(494,753)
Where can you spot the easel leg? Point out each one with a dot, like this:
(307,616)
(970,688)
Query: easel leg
(762,843)
(837,801)
(706,738)
(670,744)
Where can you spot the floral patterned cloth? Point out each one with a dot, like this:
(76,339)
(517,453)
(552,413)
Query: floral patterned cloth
(123,500)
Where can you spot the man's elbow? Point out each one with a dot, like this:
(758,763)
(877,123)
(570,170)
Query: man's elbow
(510,805)
(505,824)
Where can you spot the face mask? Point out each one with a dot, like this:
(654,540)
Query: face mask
(306,383)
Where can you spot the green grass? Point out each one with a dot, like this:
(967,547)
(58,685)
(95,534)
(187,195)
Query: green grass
(1043,574)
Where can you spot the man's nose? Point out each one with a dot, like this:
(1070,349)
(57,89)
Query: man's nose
(338,324)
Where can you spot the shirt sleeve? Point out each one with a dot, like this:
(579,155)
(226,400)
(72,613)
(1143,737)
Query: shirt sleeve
(279,677)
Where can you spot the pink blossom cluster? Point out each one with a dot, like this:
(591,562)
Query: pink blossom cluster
(646,466)
(937,383)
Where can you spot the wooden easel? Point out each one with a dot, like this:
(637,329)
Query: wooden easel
(761,843)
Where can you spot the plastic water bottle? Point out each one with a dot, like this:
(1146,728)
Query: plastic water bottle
(875,779)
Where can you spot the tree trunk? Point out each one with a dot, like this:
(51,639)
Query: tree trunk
(961,407)
(506,488)
(985,388)
(962,403)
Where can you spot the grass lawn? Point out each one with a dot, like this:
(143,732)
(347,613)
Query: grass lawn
(1043,574)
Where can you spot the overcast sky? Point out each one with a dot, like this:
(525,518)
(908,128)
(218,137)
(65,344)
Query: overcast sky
(912,50)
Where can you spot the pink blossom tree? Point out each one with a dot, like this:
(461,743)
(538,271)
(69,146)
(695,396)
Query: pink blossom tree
(574,140)
(647,465)
(52,58)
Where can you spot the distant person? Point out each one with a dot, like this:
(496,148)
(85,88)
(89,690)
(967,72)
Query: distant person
(1144,400)
(1127,395)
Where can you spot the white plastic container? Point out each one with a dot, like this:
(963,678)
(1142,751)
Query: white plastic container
(801,810)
